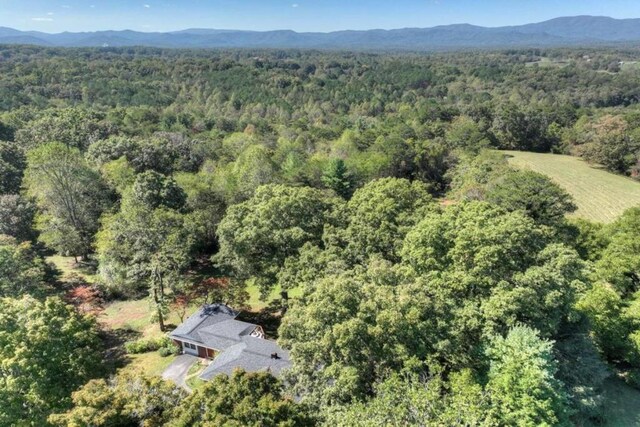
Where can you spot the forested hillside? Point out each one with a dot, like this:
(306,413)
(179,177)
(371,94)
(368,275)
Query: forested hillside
(415,277)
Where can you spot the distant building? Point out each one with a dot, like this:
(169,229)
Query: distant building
(214,333)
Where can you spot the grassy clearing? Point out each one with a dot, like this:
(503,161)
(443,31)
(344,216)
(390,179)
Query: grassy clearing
(630,65)
(68,267)
(622,405)
(601,196)
(132,318)
(548,63)
(257,304)
(151,364)
(135,315)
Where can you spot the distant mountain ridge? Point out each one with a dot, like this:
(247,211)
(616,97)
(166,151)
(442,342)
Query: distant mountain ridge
(565,31)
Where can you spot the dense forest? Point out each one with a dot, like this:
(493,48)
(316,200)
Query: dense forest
(418,278)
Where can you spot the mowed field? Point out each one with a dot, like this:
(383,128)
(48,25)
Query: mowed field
(601,196)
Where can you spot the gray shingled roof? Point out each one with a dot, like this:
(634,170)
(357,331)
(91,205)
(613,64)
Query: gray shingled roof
(214,326)
(223,335)
(252,355)
(207,316)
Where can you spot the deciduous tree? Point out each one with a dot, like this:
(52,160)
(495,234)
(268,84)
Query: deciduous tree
(70,195)
(242,399)
(22,271)
(47,350)
(257,236)
(122,400)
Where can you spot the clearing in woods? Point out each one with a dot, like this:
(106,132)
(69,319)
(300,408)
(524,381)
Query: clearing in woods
(601,196)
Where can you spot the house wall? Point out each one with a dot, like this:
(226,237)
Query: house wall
(185,348)
(205,353)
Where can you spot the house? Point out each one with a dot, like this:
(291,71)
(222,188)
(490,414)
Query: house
(214,333)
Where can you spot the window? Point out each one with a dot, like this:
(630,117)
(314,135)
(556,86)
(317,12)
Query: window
(189,345)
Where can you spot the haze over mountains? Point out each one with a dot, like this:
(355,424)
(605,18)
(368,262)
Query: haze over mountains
(565,31)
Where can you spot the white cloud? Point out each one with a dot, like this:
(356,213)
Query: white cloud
(92,6)
(295,5)
(42,19)
(65,6)
(49,13)
(147,6)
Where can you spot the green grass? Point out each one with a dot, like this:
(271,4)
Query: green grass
(67,267)
(135,315)
(630,65)
(621,407)
(548,63)
(193,380)
(151,364)
(601,196)
(257,304)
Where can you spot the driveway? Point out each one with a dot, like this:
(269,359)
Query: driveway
(177,371)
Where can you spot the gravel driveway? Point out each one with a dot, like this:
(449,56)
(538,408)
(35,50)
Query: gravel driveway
(177,371)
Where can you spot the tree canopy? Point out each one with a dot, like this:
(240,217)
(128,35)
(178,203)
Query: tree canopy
(242,399)
(257,236)
(47,350)
(70,195)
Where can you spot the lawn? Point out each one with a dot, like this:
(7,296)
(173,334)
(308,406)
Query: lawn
(621,407)
(131,319)
(193,380)
(151,364)
(601,196)
(257,304)
(68,267)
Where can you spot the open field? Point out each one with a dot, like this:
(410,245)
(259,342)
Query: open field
(68,268)
(548,63)
(601,196)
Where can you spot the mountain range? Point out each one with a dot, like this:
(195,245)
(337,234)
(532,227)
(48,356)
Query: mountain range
(565,31)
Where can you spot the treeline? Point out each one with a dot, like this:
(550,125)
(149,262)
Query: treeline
(507,98)
(438,286)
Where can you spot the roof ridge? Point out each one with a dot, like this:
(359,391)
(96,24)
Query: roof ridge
(205,316)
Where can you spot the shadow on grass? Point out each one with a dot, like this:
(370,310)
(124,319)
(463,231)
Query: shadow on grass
(269,318)
(115,356)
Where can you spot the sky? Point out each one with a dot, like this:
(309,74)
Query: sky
(300,15)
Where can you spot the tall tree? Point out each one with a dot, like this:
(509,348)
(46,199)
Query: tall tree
(337,178)
(533,193)
(620,261)
(69,194)
(522,384)
(257,236)
(47,350)
(242,399)
(610,142)
(72,127)
(424,399)
(122,400)
(17,215)
(148,243)
(379,215)
(12,164)
(22,271)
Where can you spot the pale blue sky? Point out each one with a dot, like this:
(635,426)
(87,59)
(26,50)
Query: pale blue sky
(299,15)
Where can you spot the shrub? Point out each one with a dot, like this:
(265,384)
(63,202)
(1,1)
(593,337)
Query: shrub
(633,378)
(168,350)
(145,345)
